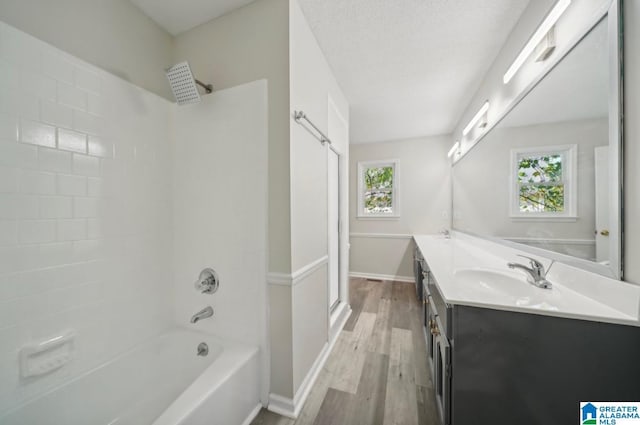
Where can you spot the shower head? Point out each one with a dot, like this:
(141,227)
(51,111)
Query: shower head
(184,85)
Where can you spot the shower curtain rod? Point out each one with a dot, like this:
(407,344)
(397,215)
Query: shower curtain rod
(300,115)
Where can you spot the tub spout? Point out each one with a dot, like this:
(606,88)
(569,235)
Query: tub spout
(202,314)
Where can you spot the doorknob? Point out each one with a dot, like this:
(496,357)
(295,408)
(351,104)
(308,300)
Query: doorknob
(604,233)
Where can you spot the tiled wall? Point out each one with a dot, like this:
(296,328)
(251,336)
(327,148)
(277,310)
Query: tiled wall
(85,210)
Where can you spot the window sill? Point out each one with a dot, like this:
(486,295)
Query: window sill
(544,218)
(378,217)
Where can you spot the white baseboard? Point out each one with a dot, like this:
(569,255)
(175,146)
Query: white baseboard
(382,276)
(291,408)
(281,405)
(252,415)
(337,319)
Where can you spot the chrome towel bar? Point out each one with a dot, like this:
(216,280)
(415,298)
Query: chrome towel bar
(300,115)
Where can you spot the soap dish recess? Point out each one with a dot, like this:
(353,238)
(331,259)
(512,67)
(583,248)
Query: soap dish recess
(46,356)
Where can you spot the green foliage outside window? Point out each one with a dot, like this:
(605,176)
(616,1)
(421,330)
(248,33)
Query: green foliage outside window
(541,185)
(378,195)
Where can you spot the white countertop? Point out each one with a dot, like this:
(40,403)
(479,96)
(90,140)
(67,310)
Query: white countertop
(465,270)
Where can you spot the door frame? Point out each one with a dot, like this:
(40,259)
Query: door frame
(331,229)
(338,315)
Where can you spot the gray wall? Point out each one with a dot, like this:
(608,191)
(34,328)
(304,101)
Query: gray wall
(382,247)
(577,18)
(493,88)
(270,39)
(248,44)
(111,34)
(632,140)
(481,180)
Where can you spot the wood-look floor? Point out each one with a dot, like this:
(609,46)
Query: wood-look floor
(377,371)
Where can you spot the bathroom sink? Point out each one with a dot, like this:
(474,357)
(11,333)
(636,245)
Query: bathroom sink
(492,280)
(489,285)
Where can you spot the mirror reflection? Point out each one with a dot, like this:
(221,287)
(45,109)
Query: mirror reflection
(541,176)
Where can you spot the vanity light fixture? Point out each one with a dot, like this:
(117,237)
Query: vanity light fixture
(454,150)
(546,46)
(479,116)
(535,39)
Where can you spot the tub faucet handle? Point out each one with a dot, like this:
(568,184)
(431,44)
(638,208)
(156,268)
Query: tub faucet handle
(208,281)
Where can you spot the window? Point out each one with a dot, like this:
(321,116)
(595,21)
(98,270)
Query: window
(378,189)
(543,182)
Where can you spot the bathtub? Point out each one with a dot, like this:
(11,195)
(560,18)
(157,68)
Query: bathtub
(161,382)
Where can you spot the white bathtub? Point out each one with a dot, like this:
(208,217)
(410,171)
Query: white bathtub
(162,382)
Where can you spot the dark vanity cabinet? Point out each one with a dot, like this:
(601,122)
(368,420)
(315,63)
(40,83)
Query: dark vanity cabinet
(436,316)
(499,367)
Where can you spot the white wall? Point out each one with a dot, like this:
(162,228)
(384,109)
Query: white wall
(312,84)
(632,139)
(85,210)
(220,210)
(482,183)
(383,247)
(111,34)
(312,87)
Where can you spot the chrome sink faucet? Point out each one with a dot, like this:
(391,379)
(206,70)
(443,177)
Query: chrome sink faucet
(536,274)
(202,314)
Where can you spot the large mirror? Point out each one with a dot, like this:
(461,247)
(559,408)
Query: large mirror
(545,176)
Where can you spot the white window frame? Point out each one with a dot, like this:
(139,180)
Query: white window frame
(395,194)
(569,177)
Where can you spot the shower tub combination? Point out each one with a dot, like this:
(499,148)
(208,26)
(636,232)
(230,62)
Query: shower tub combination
(220,388)
(172,378)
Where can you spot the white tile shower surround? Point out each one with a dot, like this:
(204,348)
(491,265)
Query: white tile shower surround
(85,204)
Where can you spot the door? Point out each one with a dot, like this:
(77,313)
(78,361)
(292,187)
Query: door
(602,204)
(334,228)
(338,226)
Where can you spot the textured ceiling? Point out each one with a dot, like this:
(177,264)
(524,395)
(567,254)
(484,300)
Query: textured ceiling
(178,16)
(409,67)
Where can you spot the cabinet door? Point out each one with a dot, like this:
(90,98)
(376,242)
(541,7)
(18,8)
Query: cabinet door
(425,308)
(443,372)
(431,346)
(425,281)
(418,278)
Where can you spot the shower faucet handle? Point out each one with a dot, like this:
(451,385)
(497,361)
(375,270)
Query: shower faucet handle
(207,282)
